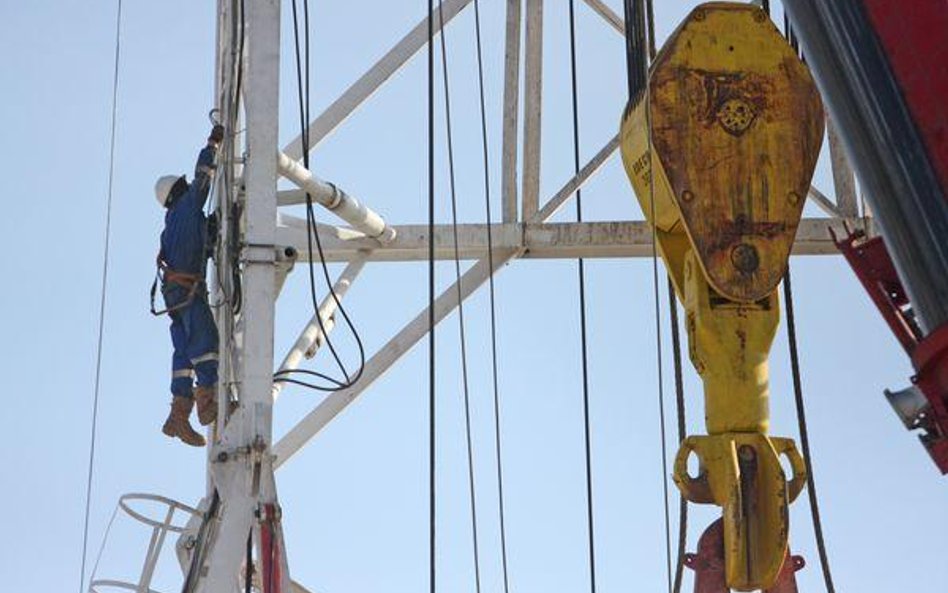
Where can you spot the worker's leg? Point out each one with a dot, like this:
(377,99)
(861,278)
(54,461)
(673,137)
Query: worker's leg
(202,348)
(182,380)
(182,372)
(202,341)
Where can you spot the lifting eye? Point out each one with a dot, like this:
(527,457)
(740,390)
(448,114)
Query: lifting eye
(694,466)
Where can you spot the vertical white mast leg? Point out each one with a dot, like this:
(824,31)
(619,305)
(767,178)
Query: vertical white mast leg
(241,463)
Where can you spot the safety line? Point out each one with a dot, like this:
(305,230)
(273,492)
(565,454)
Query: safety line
(431,308)
(581,268)
(105,538)
(457,276)
(804,433)
(102,299)
(493,307)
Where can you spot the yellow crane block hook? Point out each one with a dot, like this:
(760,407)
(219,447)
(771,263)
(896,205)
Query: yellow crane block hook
(724,145)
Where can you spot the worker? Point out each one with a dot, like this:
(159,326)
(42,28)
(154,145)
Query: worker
(181,264)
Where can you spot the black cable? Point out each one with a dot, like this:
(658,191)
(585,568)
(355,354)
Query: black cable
(650,27)
(248,565)
(661,398)
(804,433)
(231,209)
(679,384)
(457,275)
(312,234)
(635,48)
(319,245)
(102,301)
(637,27)
(582,307)
(493,307)
(310,213)
(682,433)
(431,308)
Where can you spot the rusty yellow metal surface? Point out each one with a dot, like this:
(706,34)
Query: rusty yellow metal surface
(729,345)
(741,473)
(720,153)
(737,123)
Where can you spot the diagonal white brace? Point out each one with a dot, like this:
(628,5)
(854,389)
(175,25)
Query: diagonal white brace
(312,334)
(376,366)
(374,78)
(608,14)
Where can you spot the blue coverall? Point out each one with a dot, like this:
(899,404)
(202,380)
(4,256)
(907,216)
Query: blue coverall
(193,331)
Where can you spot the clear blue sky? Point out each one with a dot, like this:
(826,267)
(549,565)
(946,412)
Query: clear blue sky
(355,501)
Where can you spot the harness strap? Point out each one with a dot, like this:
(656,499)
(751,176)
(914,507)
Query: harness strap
(165,275)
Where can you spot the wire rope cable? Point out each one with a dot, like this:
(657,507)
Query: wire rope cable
(581,269)
(682,433)
(676,354)
(493,306)
(102,300)
(457,274)
(637,27)
(312,235)
(432,581)
(804,433)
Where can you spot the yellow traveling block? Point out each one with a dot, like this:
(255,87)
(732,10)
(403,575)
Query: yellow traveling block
(734,124)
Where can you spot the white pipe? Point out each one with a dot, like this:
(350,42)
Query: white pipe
(311,336)
(342,204)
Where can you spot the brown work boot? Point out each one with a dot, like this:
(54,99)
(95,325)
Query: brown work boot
(178,425)
(206,398)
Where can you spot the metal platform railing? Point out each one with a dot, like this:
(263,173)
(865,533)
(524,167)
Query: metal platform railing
(159,532)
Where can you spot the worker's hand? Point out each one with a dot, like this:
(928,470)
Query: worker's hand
(217,135)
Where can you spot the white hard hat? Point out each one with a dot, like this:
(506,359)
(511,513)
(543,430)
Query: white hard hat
(163,188)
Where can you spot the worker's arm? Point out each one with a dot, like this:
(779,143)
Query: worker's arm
(204,169)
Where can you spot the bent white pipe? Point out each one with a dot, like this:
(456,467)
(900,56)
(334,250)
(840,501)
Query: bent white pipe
(342,204)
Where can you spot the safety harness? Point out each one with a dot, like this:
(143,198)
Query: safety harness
(165,275)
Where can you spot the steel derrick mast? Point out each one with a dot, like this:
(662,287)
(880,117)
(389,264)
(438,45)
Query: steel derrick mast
(258,248)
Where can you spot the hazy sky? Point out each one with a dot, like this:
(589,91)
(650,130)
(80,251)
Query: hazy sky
(355,500)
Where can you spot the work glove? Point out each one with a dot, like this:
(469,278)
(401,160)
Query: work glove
(217,135)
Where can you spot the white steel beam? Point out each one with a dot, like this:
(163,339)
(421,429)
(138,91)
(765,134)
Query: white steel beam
(533,109)
(241,465)
(825,204)
(508,188)
(370,82)
(405,339)
(339,202)
(600,7)
(588,170)
(569,240)
(383,360)
(844,181)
